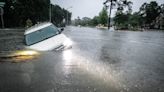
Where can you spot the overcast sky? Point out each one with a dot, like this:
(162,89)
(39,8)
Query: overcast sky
(90,8)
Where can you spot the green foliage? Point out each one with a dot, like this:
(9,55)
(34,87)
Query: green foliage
(16,12)
(101,19)
(103,16)
(121,20)
(135,20)
(150,12)
(59,15)
(95,21)
(121,5)
(85,21)
(146,17)
(128,21)
(28,23)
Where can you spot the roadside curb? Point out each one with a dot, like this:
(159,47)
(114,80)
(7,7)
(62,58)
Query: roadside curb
(9,29)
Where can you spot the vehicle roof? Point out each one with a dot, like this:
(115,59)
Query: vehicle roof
(37,27)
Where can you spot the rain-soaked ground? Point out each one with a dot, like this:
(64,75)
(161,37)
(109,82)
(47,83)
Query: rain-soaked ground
(99,61)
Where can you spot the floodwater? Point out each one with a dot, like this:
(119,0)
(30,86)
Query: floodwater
(99,61)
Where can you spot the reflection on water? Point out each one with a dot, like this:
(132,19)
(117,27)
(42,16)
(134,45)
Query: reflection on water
(28,70)
(67,55)
(24,55)
(96,70)
(18,56)
(22,58)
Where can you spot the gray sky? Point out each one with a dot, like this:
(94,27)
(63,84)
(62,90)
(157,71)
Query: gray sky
(90,8)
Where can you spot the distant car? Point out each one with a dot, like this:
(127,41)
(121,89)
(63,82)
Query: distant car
(45,37)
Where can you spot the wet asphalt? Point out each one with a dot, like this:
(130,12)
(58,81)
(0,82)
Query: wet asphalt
(99,61)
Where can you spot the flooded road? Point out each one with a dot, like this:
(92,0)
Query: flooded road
(99,61)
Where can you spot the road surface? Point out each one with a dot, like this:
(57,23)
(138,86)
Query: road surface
(99,61)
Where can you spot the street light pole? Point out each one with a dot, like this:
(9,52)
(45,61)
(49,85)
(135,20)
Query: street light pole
(50,14)
(2,21)
(67,18)
(67,15)
(2,12)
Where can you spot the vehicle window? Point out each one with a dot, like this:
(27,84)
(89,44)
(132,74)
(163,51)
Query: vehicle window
(41,35)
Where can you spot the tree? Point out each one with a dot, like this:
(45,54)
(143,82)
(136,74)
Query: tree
(123,5)
(77,21)
(121,20)
(135,21)
(59,14)
(103,16)
(128,21)
(149,12)
(85,21)
(120,7)
(28,23)
(162,8)
(16,12)
(95,21)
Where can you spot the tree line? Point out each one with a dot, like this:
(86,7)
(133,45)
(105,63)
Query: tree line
(150,15)
(22,13)
(100,19)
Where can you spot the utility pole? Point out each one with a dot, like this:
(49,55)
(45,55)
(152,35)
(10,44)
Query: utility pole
(110,11)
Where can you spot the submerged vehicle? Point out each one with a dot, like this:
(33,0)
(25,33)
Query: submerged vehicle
(45,37)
